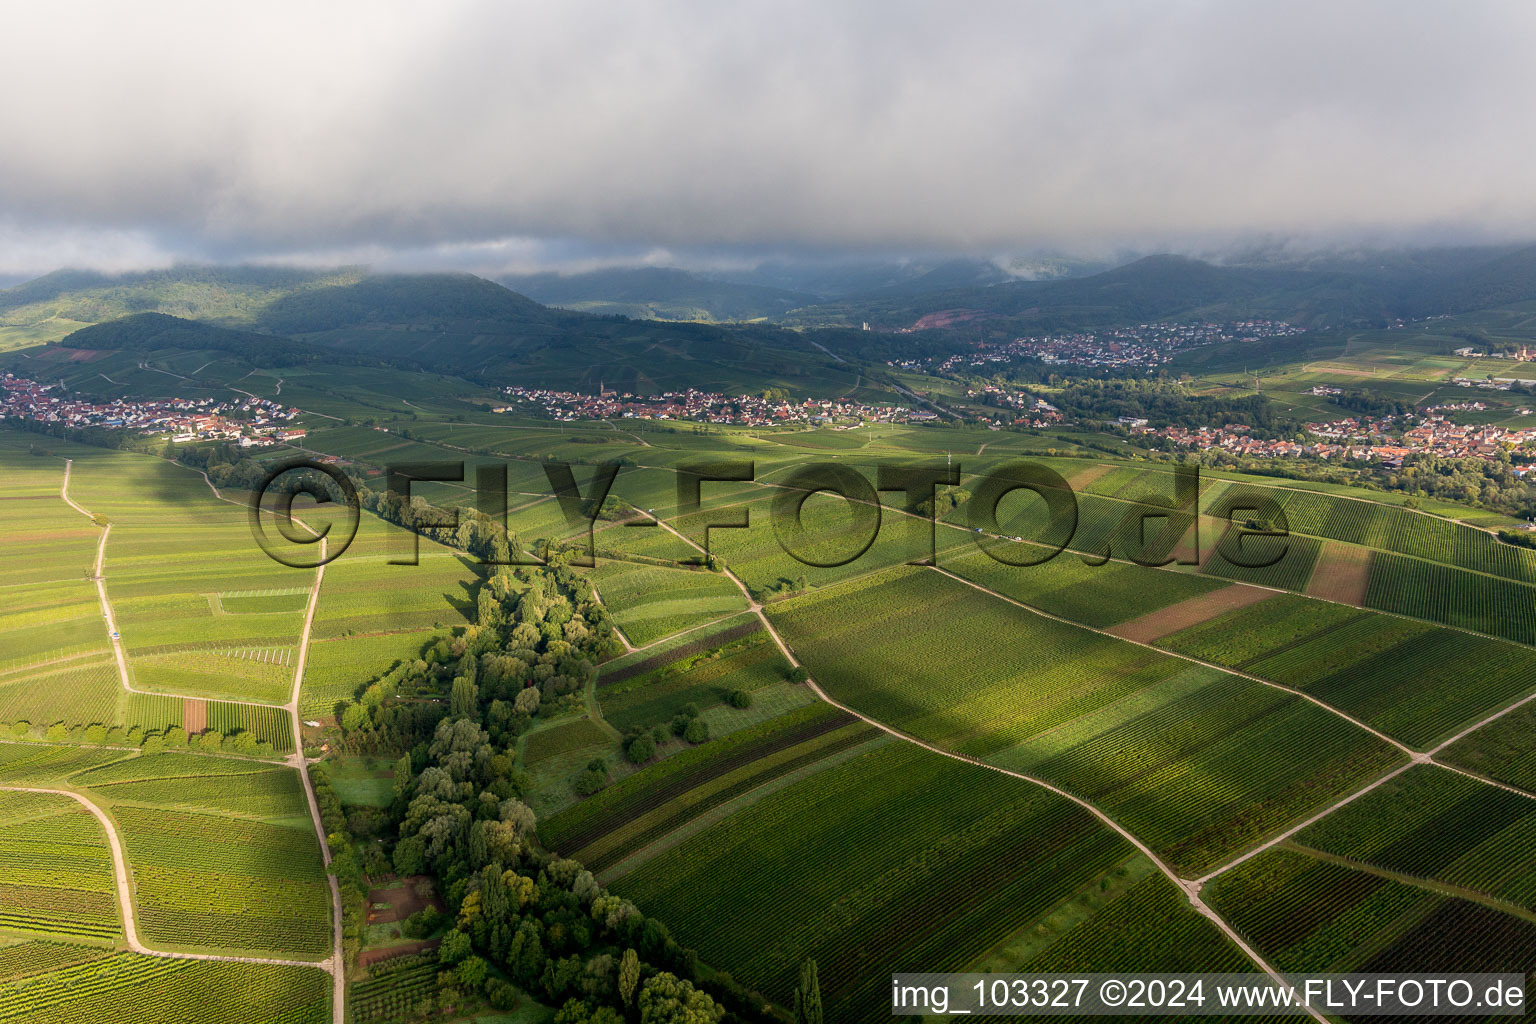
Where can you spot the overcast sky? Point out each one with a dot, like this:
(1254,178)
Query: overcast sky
(504,135)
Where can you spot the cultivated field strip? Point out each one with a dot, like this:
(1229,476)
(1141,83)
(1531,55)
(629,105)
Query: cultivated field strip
(332,964)
(1191,891)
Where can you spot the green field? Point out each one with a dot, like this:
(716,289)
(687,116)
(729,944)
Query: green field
(704,680)
(1195,762)
(223,855)
(646,807)
(864,851)
(1308,915)
(1417,682)
(894,857)
(651,603)
(1456,597)
(340,666)
(1504,749)
(133,989)
(1435,824)
(56,869)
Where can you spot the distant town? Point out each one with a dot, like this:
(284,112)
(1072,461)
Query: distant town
(1387,440)
(1145,346)
(253,422)
(709,407)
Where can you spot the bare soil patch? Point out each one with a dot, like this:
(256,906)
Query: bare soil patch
(373,956)
(194,715)
(1212,529)
(1175,617)
(403,900)
(1341,574)
(1083,477)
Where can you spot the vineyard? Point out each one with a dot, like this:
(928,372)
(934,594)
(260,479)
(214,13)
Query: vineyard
(703,680)
(82,692)
(55,868)
(1154,761)
(564,739)
(45,621)
(756,555)
(1150,927)
(338,667)
(275,793)
(1504,749)
(894,857)
(1310,915)
(629,816)
(1462,936)
(37,956)
(1291,571)
(395,989)
(793,830)
(1404,532)
(1242,637)
(231,884)
(1456,597)
(1096,596)
(28,764)
(689,646)
(166,766)
(127,988)
(364,594)
(650,603)
(1437,825)
(1414,681)
(262,674)
(955,666)
(270,600)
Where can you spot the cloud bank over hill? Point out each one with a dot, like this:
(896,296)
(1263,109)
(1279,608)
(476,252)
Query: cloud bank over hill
(518,134)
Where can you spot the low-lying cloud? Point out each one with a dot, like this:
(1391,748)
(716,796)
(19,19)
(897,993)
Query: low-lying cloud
(203,130)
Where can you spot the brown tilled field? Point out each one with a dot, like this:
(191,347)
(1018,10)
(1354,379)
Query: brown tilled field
(194,715)
(1175,617)
(402,900)
(1087,475)
(1342,572)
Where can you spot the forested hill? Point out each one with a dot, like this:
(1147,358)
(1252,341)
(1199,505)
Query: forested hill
(407,300)
(1153,288)
(659,293)
(227,295)
(467,326)
(151,332)
(454,324)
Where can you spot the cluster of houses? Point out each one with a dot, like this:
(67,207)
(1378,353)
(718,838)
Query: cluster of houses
(1365,438)
(1030,410)
(1493,383)
(706,407)
(251,422)
(1144,346)
(1523,354)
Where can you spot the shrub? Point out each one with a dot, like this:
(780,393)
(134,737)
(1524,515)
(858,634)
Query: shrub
(641,749)
(422,923)
(589,782)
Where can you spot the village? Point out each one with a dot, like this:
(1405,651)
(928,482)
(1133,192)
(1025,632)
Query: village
(1387,440)
(1145,346)
(709,407)
(252,422)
